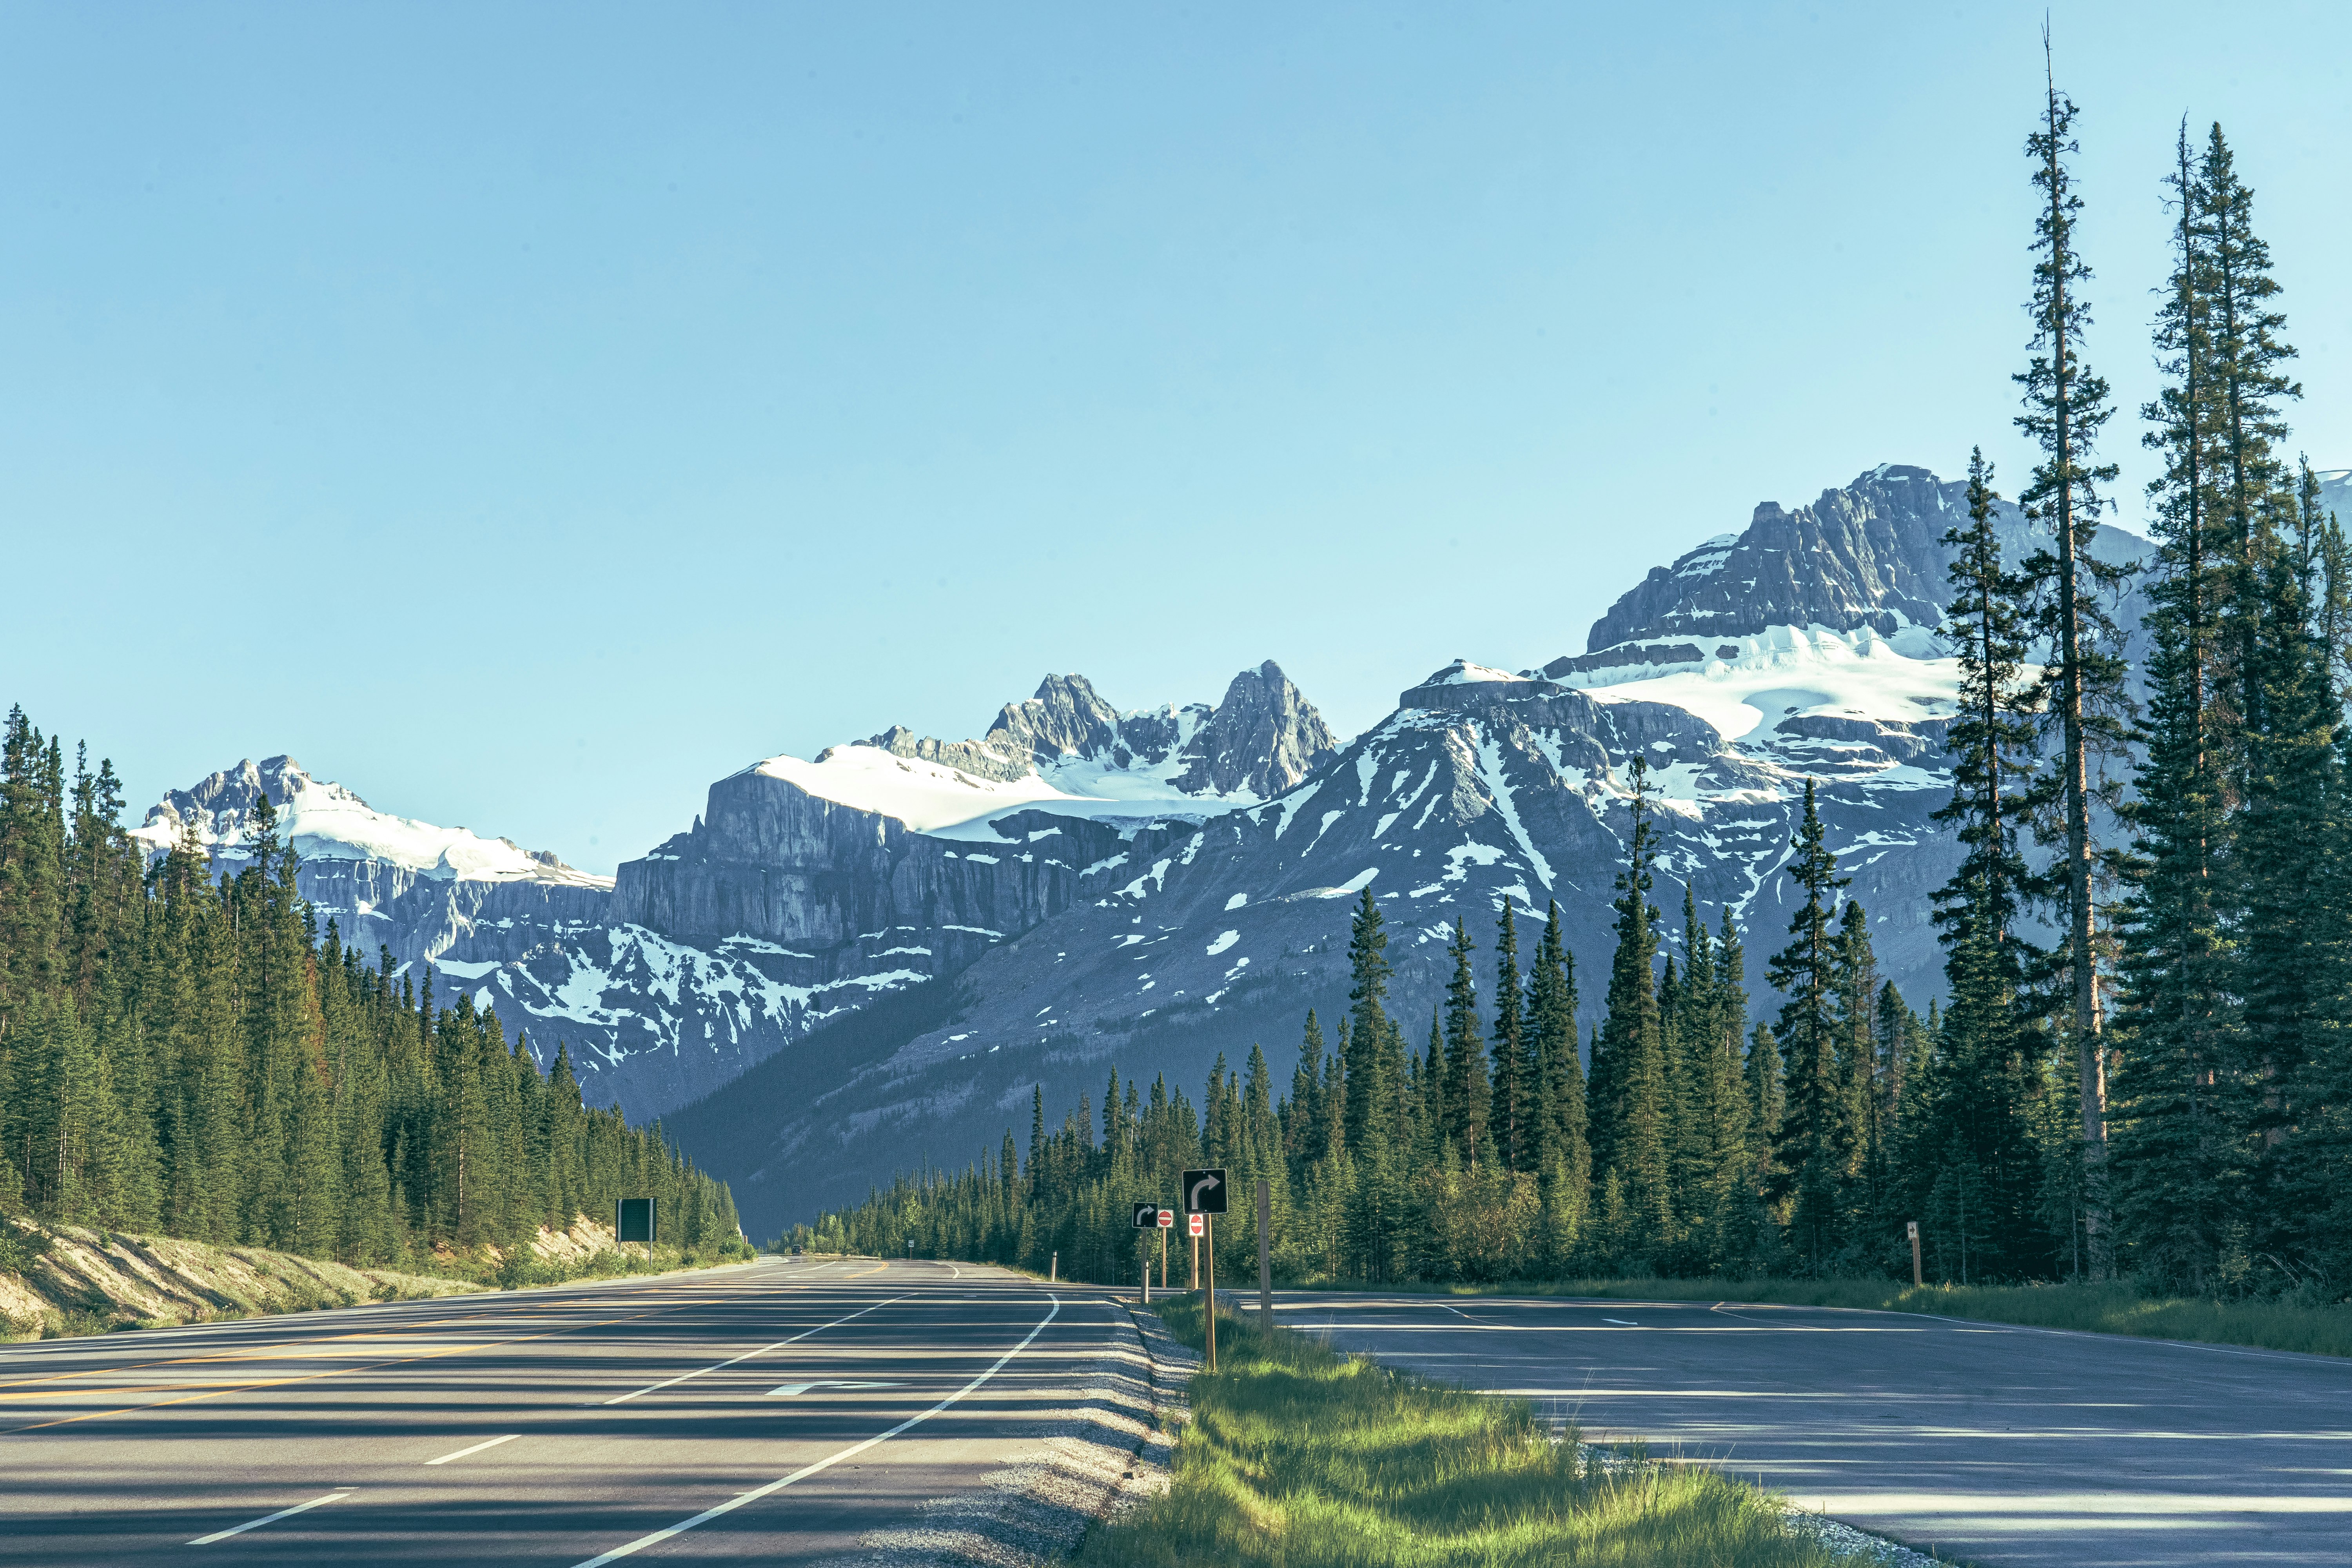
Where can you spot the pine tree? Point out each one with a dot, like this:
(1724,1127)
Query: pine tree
(1375,1080)
(1511,1114)
(1870,1203)
(2285,844)
(1814,1155)
(2081,689)
(1563,1160)
(1766,1080)
(1628,1055)
(1467,1096)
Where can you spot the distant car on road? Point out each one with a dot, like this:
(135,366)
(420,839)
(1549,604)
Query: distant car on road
(797,1252)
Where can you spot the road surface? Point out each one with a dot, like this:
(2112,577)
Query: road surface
(780,1411)
(2012,1446)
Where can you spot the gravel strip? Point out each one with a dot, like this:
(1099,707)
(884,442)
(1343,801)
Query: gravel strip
(1105,1452)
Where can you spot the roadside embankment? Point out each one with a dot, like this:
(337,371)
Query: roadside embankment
(63,1280)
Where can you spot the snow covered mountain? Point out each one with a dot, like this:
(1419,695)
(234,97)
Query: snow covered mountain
(387,881)
(1068,751)
(875,955)
(1799,648)
(805,892)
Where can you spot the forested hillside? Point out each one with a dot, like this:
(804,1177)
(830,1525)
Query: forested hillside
(2163,1090)
(197,1058)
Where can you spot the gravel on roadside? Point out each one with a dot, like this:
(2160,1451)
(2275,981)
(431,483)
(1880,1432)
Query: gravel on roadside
(1105,1450)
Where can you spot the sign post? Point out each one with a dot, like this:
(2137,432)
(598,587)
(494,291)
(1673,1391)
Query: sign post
(1147,1218)
(1913,1227)
(1167,1223)
(1204,1194)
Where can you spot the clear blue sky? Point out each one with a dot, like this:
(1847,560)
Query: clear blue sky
(527,415)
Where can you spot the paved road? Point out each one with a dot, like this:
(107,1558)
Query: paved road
(777,1411)
(2011,1446)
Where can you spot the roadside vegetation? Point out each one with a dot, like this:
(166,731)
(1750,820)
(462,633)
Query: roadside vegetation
(1296,1455)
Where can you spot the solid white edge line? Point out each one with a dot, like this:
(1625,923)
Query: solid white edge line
(338,1495)
(731,1504)
(747,1355)
(475,1449)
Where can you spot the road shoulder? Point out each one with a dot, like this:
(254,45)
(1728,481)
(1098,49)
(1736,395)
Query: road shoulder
(1104,1450)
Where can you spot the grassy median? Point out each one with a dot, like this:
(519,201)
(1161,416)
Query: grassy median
(2314,1328)
(1297,1456)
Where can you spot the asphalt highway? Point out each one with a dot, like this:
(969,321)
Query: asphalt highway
(778,1411)
(2011,1446)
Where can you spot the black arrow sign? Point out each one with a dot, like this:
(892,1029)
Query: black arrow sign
(1205,1191)
(1147,1215)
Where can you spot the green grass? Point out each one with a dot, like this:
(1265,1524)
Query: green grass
(2313,1328)
(1295,1456)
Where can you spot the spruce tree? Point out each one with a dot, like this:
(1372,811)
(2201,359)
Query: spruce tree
(1813,1158)
(1468,1097)
(1628,1054)
(1511,1112)
(2081,687)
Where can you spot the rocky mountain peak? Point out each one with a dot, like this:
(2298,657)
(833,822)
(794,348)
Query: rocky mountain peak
(322,820)
(1069,718)
(1866,555)
(1264,738)
(220,804)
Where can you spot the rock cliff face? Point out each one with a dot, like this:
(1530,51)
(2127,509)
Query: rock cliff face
(769,861)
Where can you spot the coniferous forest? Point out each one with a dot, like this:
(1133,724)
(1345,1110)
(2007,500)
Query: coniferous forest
(2142,1064)
(193,1056)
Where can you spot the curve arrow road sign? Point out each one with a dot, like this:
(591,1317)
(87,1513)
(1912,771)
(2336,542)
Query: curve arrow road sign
(1205,1191)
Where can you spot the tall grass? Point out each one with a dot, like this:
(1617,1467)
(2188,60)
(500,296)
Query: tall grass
(1295,1456)
(2314,1328)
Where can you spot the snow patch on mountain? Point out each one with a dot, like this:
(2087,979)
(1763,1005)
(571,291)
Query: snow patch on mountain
(324,821)
(1067,751)
(932,797)
(1788,671)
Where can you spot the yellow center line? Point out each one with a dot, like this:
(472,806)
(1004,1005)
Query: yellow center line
(214,1393)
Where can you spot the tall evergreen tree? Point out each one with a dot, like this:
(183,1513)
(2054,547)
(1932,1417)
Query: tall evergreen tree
(1467,1096)
(1814,1155)
(1511,1115)
(2081,686)
(2178,1008)
(1628,1127)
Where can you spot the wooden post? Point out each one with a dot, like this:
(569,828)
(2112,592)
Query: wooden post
(1913,1227)
(1147,1280)
(1209,1224)
(1265,1252)
(1053,1274)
